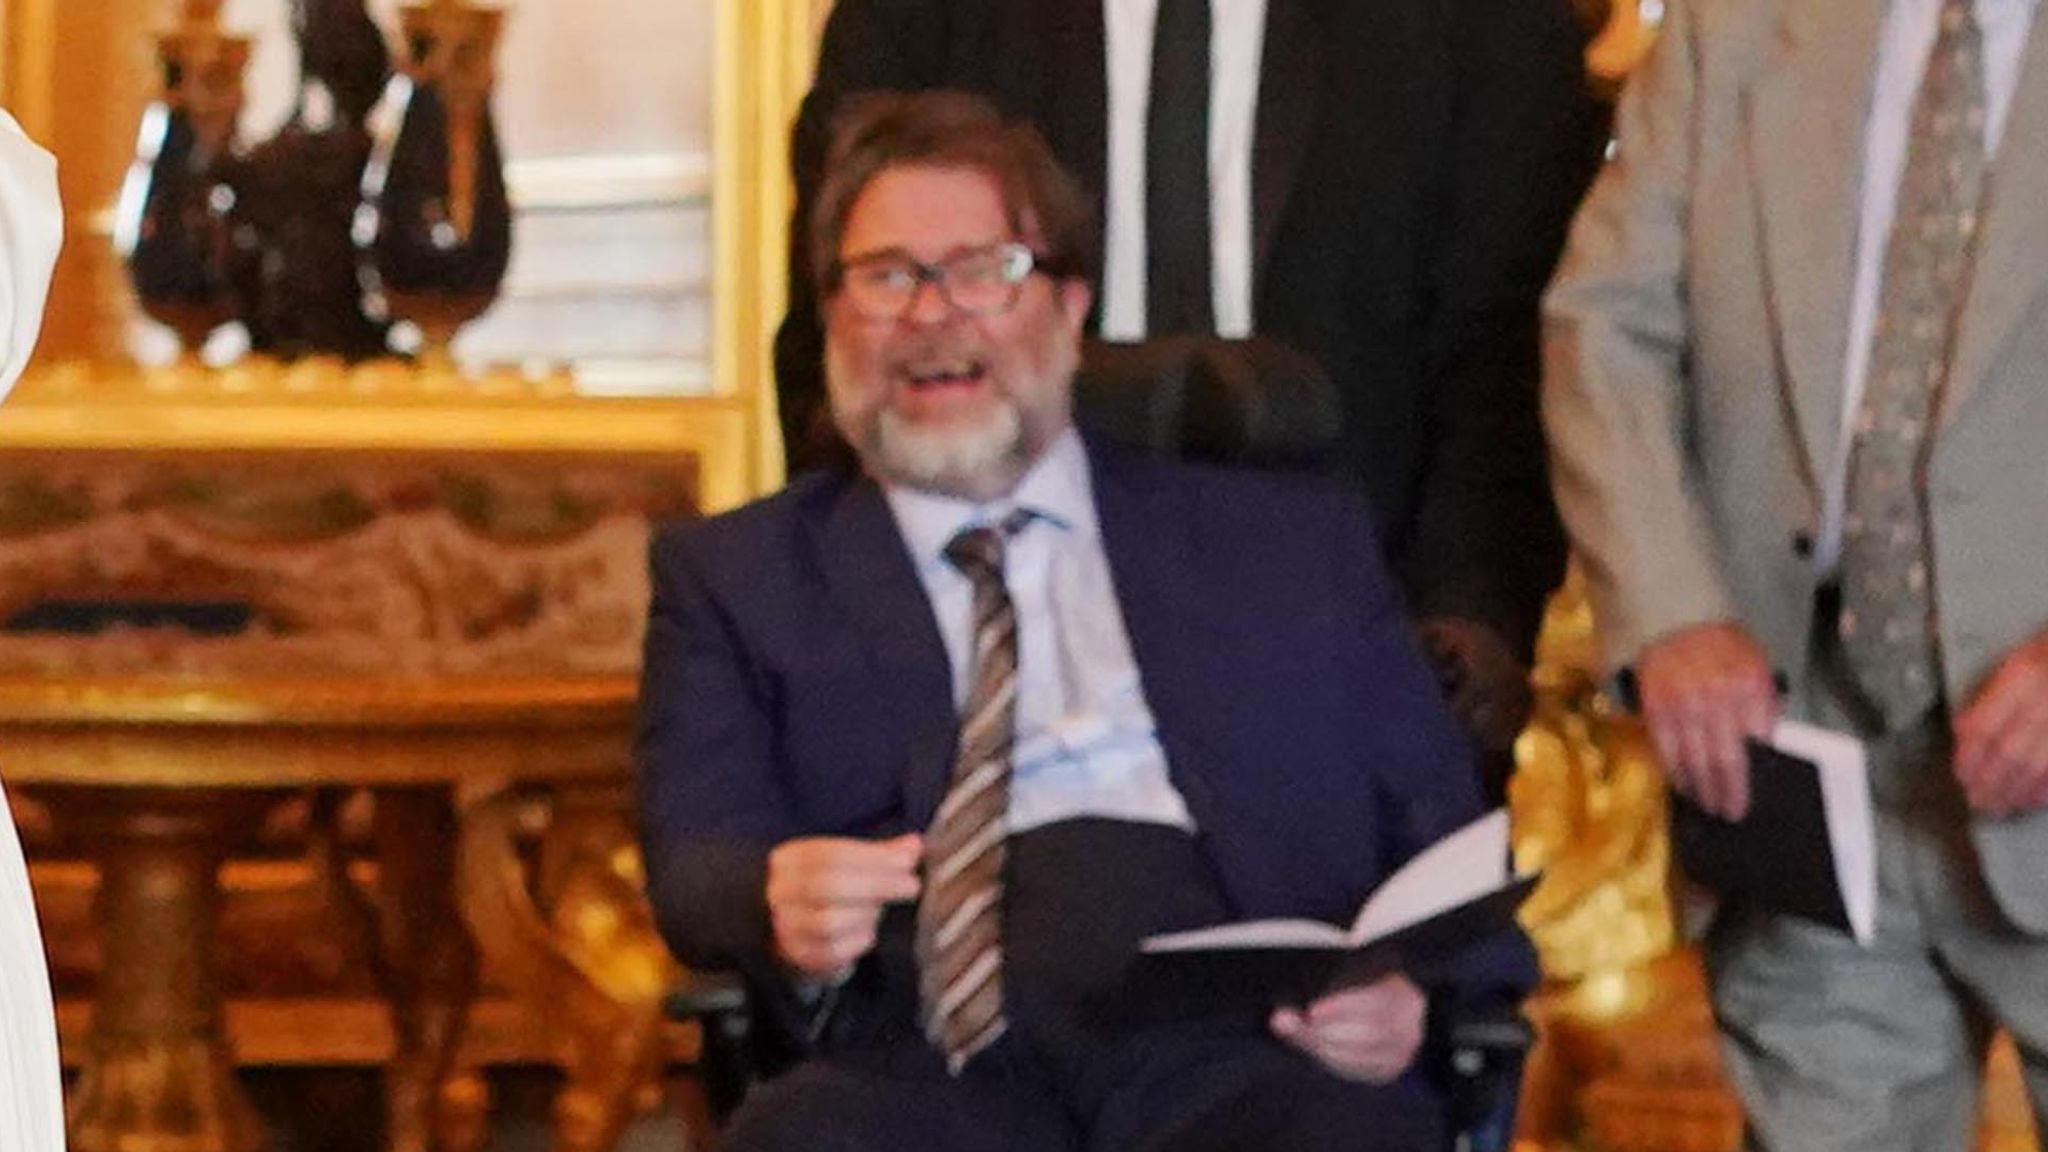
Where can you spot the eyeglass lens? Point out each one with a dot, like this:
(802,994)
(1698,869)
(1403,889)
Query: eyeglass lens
(983,282)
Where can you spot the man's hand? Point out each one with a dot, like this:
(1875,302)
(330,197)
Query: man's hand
(1368,1033)
(1704,689)
(2002,736)
(826,894)
(1487,688)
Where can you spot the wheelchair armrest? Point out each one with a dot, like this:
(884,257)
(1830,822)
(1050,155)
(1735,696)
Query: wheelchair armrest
(718,1002)
(1476,1060)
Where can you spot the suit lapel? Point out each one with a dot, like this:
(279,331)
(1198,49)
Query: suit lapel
(1145,535)
(1806,133)
(869,574)
(2012,249)
(1286,118)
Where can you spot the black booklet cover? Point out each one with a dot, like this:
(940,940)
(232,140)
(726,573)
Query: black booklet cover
(1804,847)
(1451,895)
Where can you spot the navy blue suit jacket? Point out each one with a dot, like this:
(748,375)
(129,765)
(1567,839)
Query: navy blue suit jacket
(795,684)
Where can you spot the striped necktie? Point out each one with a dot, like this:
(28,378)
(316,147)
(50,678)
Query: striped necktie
(959,918)
(1888,629)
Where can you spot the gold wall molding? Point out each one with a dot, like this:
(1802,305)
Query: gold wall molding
(76,75)
(771,47)
(27,60)
(320,406)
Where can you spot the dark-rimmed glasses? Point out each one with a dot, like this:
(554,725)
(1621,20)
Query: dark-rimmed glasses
(979,281)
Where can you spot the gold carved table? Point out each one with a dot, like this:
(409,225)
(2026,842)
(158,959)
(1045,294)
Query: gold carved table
(368,635)
(162,778)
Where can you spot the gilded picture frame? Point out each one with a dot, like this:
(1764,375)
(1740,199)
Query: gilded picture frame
(763,52)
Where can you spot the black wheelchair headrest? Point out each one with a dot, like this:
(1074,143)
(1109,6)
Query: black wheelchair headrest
(1254,403)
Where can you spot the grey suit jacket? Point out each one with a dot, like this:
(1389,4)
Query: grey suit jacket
(1695,338)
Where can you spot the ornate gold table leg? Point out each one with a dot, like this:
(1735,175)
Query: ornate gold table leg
(412,939)
(430,968)
(579,945)
(157,1075)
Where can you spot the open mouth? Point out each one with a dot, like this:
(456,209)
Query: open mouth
(940,376)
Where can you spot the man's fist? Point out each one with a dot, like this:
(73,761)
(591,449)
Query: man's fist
(826,895)
(1706,689)
(2002,736)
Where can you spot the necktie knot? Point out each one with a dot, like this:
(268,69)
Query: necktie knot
(978,552)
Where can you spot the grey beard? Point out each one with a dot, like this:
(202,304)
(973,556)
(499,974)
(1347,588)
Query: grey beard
(975,463)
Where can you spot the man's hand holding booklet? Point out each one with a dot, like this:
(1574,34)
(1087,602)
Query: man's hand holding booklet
(1450,895)
(1806,848)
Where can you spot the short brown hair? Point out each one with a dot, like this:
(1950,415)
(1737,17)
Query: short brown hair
(945,129)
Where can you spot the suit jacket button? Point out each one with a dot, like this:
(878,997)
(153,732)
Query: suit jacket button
(1802,545)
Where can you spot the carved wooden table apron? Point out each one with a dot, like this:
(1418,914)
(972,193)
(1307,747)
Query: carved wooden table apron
(162,778)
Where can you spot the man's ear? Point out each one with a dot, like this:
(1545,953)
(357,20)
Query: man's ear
(1076,297)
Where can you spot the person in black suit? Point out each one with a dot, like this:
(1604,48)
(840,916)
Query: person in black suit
(1388,184)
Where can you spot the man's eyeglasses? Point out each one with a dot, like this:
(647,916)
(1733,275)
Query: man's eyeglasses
(980,282)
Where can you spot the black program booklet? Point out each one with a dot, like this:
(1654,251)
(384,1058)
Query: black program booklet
(1804,848)
(1453,894)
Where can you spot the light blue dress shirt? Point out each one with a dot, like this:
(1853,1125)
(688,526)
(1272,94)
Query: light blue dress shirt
(1086,741)
(1908,39)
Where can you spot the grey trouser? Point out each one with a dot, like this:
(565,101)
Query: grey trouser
(1832,1045)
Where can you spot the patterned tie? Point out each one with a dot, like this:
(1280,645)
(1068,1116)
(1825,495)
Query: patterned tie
(960,918)
(1888,628)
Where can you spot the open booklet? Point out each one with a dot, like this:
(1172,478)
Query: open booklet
(1450,895)
(1807,846)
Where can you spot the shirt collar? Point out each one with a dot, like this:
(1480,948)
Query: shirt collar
(1056,489)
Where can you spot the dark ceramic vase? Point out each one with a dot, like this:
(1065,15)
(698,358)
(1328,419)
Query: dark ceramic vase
(289,256)
(436,224)
(168,227)
(290,253)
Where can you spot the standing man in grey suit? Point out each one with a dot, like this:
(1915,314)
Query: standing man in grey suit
(1797,396)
